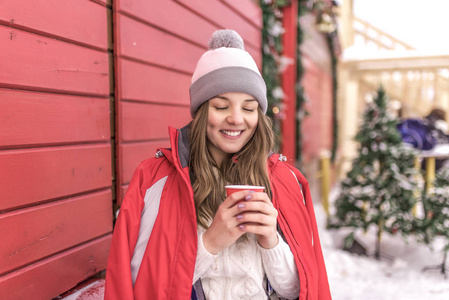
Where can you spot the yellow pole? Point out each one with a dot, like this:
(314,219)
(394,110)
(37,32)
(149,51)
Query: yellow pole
(430,173)
(325,182)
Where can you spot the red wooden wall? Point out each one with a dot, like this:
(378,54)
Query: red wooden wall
(55,151)
(76,77)
(317,81)
(157,45)
(288,78)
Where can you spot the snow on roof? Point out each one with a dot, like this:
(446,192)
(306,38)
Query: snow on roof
(362,53)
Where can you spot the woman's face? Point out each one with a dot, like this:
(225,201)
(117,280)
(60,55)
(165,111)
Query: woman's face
(232,121)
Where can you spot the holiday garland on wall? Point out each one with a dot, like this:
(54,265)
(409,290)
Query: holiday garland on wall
(272,60)
(300,94)
(273,64)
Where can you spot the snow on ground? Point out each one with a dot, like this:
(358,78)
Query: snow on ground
(92,291)
(397,277)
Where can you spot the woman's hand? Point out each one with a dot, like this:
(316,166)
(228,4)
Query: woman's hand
(259,217)
(242,212)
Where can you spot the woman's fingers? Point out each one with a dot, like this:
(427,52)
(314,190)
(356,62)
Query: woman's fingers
(255,218)
(257,229)
(257,215)
(266,234)
(255,206)
(236,197)
(263,197)
(243,211)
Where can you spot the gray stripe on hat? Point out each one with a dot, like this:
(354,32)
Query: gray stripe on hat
(226,80)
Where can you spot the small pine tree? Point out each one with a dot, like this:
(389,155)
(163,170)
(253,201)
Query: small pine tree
(379,189)
(436,214)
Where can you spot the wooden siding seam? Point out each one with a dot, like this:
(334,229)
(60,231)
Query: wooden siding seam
(131,142)
(20,147)
(137,60)
(145,22)
(152,102)
(237,12)
(102,3)
(15,209)
(50,90)
(248,45)
(218,26)
(52,203)
(51,36)
(64,93)
(199,15)
(58,253)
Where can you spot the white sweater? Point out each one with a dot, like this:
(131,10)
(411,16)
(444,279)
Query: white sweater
(237,272)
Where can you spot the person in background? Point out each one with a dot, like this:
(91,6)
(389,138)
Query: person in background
(178,236)
(436,122)
(438,129)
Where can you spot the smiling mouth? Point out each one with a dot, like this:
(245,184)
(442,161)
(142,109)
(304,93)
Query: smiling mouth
(232,133)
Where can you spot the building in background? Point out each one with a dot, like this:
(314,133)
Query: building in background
(416,81)
(88,89)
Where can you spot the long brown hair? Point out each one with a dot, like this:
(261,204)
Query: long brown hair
(209,179)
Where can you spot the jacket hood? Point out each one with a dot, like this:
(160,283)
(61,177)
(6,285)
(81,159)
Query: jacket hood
(178,154)
(183,145)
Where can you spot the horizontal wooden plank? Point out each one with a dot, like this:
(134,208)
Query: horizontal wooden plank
(315,47)
(146,43)
(221,14)
(248,9)
(30,118)
(153,84)
(318,84)
(81,21)
(257,56)
(33,233)
(130,155)
(34,175)
(53,276)
(37,62)
(170,16)
(142,121)
(103,2)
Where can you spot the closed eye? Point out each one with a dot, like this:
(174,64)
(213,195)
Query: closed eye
(221,108)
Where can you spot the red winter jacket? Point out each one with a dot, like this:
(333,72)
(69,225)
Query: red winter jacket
(154,243)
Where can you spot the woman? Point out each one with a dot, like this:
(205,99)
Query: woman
(177,229)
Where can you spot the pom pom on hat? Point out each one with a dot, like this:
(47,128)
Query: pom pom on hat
(226,38)
(226,67)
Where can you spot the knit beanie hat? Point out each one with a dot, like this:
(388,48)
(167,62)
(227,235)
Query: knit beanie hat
(226,67)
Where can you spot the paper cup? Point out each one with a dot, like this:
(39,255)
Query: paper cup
(231,189)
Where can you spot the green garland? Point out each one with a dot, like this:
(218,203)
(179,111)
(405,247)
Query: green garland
(300,94)
(331,37)
(271,60)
